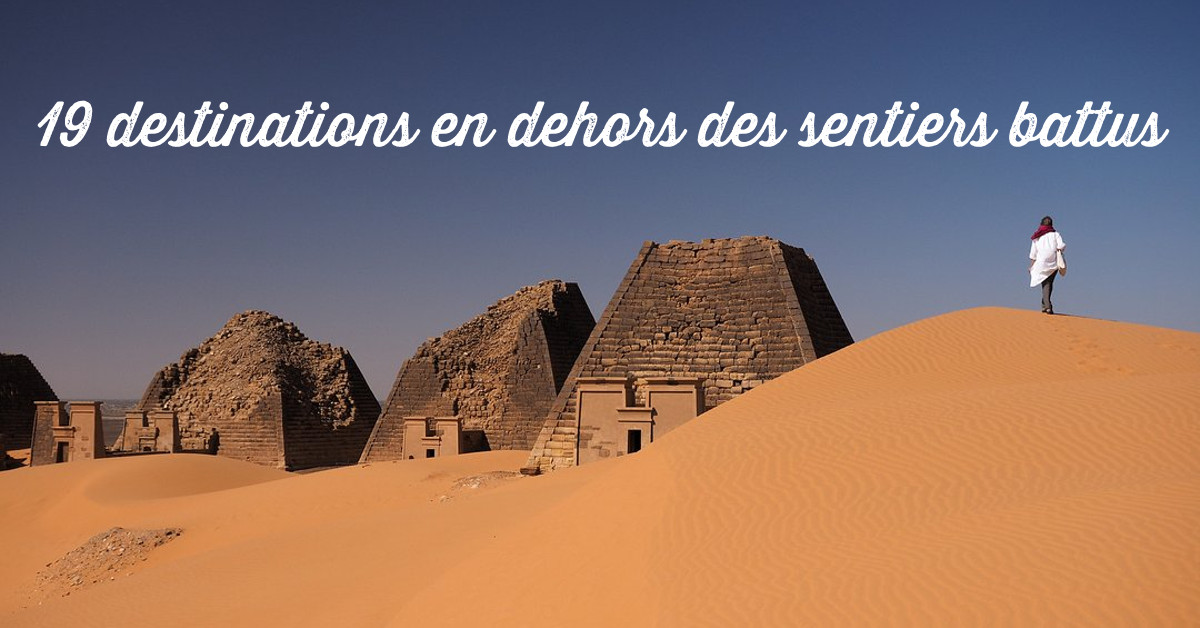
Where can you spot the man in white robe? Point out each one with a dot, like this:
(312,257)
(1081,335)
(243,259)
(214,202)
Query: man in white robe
(1043,260)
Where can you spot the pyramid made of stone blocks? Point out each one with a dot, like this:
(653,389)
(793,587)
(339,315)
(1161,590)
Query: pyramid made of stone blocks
(20,386)
(259,390)
(499,372)
(731,313)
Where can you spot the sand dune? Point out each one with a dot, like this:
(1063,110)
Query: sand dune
(986,466)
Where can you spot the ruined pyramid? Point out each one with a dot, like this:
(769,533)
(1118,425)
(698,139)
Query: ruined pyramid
(499,372)
(725,314)
(20,386)
(259,390)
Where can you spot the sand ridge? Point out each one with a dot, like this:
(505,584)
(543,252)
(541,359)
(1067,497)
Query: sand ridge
(982,466)
(976,466)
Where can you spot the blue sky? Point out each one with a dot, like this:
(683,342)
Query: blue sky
(116,260)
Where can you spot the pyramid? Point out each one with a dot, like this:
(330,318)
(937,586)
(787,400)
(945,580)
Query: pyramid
(724,314)
(20,386)
(499,372)
(259,390)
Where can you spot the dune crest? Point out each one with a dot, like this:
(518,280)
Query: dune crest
(986,464)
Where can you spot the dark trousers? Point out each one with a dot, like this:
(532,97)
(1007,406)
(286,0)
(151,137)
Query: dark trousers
(1047,290)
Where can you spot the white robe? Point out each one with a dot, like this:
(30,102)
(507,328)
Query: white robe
(1044,253)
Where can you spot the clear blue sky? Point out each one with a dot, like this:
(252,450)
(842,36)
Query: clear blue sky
(113,261)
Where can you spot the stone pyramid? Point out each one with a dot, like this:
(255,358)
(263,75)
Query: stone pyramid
(726,314)
(259,390)
(20,386)
(499,372)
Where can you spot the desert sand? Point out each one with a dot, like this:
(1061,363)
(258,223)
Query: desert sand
(984,466)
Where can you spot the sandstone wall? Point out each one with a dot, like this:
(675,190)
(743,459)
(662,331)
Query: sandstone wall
(732,312)
(499,372)
(310,440)
(43,450)
(823,326)
(20,386)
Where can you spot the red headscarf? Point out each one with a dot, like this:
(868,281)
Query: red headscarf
(1041,231)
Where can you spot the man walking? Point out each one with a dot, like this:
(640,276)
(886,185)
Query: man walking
(1044,256)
